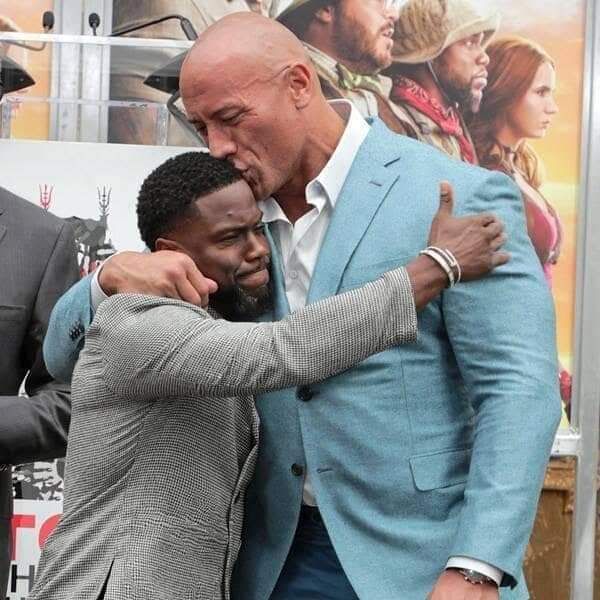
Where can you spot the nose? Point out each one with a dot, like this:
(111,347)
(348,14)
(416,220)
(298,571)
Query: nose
(257,247)
(483,59)
(220,145)
(552,107)
(392,13)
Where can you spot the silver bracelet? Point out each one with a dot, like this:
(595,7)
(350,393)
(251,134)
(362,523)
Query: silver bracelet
(451,261)
(442,261)
(455,264)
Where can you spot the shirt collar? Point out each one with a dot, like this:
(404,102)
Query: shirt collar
(331,179)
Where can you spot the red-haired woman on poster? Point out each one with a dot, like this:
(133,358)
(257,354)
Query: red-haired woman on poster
(518,105)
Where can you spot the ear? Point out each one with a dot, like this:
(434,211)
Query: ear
(325,14)
(166,244)
(300,82)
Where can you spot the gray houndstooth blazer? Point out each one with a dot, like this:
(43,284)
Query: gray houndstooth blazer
(164,434)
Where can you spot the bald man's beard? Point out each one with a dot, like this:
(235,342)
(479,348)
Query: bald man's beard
(357,46)
(237,304)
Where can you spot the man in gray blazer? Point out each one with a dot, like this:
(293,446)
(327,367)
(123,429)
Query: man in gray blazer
(164,431)
(37,264)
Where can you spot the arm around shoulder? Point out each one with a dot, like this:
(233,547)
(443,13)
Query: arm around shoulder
(68,323)
(159,348)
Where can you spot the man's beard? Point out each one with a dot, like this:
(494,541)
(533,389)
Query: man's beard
(468,100)
(358,47)
(458,91)
(236,304)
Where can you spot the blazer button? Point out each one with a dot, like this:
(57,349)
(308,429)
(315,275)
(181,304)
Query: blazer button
(297,469)
(305,393)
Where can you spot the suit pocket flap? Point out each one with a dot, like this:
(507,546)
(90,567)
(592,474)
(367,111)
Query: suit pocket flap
(12,313)
(440,469)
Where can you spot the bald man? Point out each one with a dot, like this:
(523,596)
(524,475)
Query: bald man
(408,475)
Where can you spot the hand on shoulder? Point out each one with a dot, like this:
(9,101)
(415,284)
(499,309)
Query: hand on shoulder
(164,273)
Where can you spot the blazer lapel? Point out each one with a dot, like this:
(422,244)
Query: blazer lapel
(365,188)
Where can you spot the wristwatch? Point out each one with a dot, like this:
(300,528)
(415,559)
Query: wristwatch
(476,577)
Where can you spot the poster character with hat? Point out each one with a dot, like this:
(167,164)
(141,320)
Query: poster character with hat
(350,43)
(440,69)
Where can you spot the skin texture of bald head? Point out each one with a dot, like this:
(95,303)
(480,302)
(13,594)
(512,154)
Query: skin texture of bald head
(250,90)
(250,43)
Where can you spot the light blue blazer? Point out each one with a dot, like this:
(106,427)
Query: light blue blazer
(424,451)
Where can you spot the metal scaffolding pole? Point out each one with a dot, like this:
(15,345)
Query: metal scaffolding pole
(587,318)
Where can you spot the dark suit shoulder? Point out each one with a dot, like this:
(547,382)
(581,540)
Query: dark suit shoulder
(16,211)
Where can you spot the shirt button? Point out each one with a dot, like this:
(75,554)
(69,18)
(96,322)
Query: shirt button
(297,469)
(293,274)
(304,393)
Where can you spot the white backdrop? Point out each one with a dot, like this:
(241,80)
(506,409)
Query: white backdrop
(76,171)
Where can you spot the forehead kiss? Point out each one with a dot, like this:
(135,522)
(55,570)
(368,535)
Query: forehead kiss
(244,85)
(200,205)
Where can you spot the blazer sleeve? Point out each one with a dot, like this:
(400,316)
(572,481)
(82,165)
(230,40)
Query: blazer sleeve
(36,427)
(502,330)
(156,348)
(70,319)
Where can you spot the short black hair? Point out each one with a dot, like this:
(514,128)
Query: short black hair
(169,192)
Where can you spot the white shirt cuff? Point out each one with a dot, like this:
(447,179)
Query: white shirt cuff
(463,562)
(97,294)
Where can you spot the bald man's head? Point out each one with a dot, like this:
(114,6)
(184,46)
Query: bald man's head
(251,91)
(250,42)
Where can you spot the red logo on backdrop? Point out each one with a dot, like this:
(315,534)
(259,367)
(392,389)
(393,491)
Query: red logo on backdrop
(29,522)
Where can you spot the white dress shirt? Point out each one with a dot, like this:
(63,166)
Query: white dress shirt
(299,246)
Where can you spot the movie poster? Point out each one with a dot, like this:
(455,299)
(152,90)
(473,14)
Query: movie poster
(496,83)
